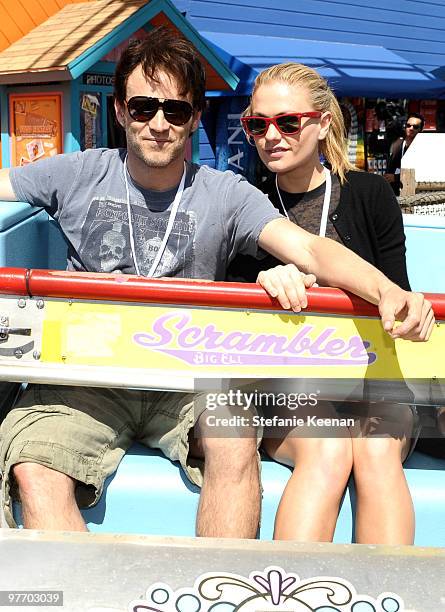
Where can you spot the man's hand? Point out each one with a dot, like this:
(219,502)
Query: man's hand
(391,178)
(412,309)
(288,285)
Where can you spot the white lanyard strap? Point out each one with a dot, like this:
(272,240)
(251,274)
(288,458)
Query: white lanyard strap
(326,201)
(168,231)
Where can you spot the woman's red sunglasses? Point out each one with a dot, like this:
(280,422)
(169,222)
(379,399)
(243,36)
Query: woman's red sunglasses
(289,123)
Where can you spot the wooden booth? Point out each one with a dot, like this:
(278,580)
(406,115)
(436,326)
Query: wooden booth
(56,80)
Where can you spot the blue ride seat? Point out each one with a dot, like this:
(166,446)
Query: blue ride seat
(29,238)
(150,495)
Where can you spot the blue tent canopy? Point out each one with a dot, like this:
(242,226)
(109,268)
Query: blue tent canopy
(351,69)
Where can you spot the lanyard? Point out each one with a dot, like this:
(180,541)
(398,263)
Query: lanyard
(326,201)
(168,231)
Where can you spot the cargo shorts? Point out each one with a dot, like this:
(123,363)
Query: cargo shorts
(85,432)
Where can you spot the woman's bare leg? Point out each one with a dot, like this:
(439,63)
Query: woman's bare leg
(385,513)
(310,502)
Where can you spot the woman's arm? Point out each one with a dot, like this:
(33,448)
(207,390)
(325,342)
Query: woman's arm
(340,267)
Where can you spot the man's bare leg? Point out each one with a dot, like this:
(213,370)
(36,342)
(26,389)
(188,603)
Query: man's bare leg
(47,497)
(229,506)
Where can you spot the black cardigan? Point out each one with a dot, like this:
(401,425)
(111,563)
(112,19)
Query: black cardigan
(368,220)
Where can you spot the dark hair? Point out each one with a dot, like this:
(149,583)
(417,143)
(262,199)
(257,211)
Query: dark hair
(163,50)
(416,116)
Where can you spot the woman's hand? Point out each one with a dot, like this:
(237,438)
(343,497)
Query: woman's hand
(288,285)
(412,309)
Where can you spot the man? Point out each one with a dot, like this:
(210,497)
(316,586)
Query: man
(144,210)
(413,126)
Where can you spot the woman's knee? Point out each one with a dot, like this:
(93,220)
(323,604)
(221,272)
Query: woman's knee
(332,457)
(376,456)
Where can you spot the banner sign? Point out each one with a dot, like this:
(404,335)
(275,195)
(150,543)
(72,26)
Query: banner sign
(188,349)
(233,152)
(229,342)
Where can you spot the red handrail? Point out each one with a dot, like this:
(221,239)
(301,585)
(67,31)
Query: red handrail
(129,288)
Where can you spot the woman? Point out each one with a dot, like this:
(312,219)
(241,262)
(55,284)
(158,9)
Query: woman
(293,119)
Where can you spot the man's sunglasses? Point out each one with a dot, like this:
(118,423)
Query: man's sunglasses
(289,123)
(143,108)
(412,125)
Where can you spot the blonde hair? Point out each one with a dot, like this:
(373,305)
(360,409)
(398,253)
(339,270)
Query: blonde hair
(334,147)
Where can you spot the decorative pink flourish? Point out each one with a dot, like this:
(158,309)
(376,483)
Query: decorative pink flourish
(274,584)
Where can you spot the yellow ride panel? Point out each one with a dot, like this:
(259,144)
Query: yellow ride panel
(205,341)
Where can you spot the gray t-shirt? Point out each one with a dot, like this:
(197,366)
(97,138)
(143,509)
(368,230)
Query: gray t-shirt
(220,215)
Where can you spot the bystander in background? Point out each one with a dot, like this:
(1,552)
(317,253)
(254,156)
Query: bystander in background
(413,126)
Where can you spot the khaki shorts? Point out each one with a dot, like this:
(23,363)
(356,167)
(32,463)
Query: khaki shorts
(84,433)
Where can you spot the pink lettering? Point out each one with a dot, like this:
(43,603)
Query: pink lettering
(173,330)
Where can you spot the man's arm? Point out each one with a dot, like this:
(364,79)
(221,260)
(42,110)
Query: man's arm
(336,266)
(6,190)
(395,157)
(390,177)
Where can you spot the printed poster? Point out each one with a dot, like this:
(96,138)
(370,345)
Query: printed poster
(36,127)
(90,120)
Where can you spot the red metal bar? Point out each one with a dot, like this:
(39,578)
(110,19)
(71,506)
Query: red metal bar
(13,281)
(129,288)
